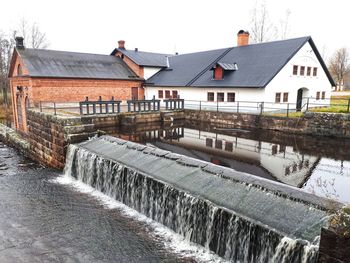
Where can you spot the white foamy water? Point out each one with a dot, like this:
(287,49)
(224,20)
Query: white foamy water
(171,240)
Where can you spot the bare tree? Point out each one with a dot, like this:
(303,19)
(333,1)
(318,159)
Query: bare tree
(262,29)
(33,37)
(339,66)
(6,46)
(284,25)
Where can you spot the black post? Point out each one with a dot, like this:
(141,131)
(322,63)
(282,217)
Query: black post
(200,105)
(166,105)
(118,105)
(217,106)
(158,105)
(40,106)
(287,109)
(129,108)
(100,99)
(307,104)
(93,107)
(261,108)
(81,108)
(237,106)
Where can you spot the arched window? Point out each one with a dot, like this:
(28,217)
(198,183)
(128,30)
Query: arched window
(19,70)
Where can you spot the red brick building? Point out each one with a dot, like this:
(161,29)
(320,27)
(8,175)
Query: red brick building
(38,75)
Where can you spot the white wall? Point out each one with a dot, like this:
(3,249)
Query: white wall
(285,81)
(149,72)
(193,95)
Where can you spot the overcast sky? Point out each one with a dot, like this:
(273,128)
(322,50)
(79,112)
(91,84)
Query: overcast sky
(169,26)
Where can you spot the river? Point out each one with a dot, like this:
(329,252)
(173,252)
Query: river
(45,218)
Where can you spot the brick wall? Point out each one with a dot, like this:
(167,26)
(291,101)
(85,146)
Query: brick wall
(136,68)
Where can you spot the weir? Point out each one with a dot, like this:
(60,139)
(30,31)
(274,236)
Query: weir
(240,217)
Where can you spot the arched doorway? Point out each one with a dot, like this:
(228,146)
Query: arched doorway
(302,96)
(19,112)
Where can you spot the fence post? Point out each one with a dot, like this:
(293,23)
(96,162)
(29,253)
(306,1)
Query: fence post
(40,106)
(348,104)
(81,108)
(129,108)
(54,108)
(118,107)
(287,109)
(307,104)
(261,108)
(217,106)
(166,105)
(200,105)
(237,106)
(100,99)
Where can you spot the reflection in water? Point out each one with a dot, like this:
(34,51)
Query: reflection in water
(317,165)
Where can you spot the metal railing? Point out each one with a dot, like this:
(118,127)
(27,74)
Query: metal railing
(143,105)
(174,104)
(99,107)
(88,107)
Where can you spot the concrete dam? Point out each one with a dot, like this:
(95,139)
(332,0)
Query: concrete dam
(240,217)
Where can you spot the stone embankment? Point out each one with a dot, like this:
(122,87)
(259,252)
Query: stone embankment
(321,124)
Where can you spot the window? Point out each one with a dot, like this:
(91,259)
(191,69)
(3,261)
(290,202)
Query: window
(19,70)
(308,71)
(278,97)
(295,70)
(302,71)
(174,94)
(231,97)
(323,95)
(221,96)
(160,94)
(318,95)
(285,97)
(315,72)
(210,96)
(167,94)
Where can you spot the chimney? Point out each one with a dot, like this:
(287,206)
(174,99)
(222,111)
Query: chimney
(242,38)
(19,42)
(121,44)
(136,49)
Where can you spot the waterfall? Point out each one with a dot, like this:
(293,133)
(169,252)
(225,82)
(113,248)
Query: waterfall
(222,231)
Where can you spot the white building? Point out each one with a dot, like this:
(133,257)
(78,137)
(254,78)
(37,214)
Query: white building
(282,74)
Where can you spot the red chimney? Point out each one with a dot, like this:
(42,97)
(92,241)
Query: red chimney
(242,38)
(121,44)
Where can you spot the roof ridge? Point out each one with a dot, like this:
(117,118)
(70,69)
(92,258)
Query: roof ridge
(64,51)
(208,67)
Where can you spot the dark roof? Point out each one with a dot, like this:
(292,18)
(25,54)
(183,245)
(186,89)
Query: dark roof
(62,64)
(257,65)
(147,59)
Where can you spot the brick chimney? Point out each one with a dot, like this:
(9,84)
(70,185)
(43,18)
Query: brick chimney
(121,44)
(242,38)
(19,42)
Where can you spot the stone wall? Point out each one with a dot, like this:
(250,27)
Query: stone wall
(321,124)
(49,135)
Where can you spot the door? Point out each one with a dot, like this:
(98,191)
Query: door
(299,99)
(134,93)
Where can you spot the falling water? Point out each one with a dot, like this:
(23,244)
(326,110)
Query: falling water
(220,230)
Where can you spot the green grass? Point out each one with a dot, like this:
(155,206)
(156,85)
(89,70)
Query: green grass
(339,104)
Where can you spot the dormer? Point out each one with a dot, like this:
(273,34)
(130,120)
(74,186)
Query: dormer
(220,69)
